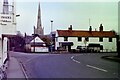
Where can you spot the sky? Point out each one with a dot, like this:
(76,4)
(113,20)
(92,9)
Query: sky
(71,12)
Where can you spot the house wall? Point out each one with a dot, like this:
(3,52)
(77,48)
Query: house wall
(57,40)
(40,49)
(107,46)
(0,52)
(3,55)
(5,46)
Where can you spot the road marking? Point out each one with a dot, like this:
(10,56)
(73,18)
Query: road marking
(100,69)
(97,68)
(74,59)
(24,71)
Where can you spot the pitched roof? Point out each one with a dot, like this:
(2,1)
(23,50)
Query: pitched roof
(37,39)
(80,33)
(44,38)
(28,39)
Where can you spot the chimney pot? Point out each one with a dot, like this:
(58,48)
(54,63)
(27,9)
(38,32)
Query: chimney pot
(101,27)
(70,28)
(90,29)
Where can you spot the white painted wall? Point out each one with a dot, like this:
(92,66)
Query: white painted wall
(7,27)
(5,49)
(61,39)
(109,46)
(3,55)
(0,52)
(40,49)
(74,40)
(0,6)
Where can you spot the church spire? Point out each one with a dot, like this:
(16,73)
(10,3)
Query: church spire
(39,29)
(39,18)
(5,7)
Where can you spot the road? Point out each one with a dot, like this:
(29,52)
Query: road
(67,65)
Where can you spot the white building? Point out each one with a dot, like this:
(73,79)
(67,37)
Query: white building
(7,25)
(71,39)
(35,44)
(38,45)
(8,18)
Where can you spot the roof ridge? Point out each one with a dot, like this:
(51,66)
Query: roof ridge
(85,33)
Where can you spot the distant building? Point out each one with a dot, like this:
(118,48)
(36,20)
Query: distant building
(36,43)
(102,41)
(39,30)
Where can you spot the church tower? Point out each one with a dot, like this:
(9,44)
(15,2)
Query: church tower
(39,29)
(8,17)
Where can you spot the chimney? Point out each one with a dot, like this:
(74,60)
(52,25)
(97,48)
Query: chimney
(25,34)
(70,28)
(101,28)
(90,28)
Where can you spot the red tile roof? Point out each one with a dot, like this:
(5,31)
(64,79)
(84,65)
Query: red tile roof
(78,33)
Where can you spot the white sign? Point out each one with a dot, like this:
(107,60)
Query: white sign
(5,19)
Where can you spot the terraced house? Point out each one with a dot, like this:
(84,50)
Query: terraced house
(86,40)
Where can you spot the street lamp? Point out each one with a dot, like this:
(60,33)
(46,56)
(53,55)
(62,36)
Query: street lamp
(51,25)
(51,43)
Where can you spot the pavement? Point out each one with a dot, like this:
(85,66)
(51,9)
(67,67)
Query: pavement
(112,58)
(14,69)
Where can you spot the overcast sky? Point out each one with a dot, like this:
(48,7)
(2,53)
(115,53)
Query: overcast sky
(66,13)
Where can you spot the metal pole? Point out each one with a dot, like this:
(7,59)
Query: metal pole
(51,34)
(51,25)
(34,39)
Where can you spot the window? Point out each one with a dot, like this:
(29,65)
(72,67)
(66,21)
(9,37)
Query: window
(101,39)
(110,39)
(87,39)
(79,38)
(65,38)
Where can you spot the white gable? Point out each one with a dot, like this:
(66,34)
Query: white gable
(37,39)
